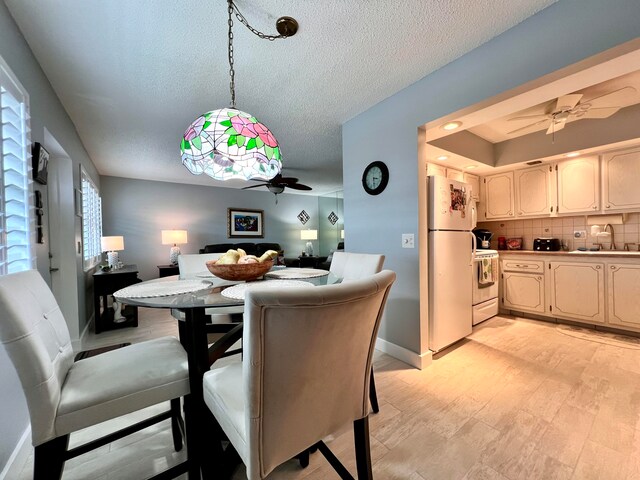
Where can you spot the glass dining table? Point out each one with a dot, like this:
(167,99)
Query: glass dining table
(201,296)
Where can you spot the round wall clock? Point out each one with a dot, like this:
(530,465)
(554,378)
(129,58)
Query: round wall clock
(375,178)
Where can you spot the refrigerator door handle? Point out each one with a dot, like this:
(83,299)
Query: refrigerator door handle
(473,248)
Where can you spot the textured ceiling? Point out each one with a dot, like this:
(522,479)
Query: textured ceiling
(134,74)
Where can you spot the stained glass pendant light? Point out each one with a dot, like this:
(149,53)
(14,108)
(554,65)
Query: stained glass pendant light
(229,143)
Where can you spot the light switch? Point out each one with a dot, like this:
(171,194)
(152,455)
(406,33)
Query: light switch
(407,240)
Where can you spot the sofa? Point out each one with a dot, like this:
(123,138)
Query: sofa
(251,248)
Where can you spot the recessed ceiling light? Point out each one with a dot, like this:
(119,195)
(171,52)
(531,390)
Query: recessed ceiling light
(572,154)
(442,157)
(451,125)
(471,167)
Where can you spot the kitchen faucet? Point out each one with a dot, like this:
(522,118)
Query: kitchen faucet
(613,240)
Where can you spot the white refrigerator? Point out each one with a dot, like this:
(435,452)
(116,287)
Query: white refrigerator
(451,246)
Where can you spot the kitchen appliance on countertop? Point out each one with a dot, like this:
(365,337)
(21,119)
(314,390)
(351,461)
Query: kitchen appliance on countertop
(451,246)
(547,244)
(483,238)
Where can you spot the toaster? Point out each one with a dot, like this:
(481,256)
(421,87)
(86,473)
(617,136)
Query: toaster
(547,244)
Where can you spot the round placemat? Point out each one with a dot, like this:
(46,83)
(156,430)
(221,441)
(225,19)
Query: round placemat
(162,289)
(290,273)
(237,291)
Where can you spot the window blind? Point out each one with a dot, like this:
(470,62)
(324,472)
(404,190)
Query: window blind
(16,193)
(91,222)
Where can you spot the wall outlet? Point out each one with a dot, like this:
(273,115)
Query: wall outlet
(408,240)
(580,234)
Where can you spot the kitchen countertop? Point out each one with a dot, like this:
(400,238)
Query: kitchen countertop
(574,254)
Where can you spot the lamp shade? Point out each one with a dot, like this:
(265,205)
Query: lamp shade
(110,244)
(342,234)
(308,234)
(174,237)
(228,143)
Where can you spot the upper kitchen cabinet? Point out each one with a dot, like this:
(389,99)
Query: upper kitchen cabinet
(455,175)
(474,181)
(498,196)
(435,169)
(620,180)
(578,185)
(535,192)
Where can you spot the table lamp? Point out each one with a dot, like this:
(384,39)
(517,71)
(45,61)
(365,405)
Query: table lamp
(341,234)
(111,245)
(309,235)
(174,237)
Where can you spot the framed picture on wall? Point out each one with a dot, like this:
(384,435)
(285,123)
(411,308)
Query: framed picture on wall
(243,223)
(40,163)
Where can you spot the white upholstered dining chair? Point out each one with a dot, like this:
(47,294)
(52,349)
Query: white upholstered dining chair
(304,373)
(63,396)
(353,266)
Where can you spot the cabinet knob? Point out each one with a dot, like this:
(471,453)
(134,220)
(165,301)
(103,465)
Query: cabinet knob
(608,206)
(597,267)
(595,207)
(519,213)
(510,213)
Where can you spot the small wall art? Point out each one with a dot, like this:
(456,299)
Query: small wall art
(40,163)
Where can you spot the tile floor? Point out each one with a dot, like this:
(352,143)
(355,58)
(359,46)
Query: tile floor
(519,399)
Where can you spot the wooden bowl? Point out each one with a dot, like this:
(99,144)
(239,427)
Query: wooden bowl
(239,271)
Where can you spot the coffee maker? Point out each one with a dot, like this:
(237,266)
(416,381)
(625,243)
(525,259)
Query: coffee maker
(483,238)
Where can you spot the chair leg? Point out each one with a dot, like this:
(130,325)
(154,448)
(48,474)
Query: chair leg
(303,458)
(363,448)
(49,459)
(373,397)
(177,425)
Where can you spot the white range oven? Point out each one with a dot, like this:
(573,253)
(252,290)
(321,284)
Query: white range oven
(485,290)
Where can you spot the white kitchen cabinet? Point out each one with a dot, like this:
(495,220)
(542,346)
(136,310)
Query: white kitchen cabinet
(578,185)
(474,181)
(620,180)
(534,193)
(523,292)
(498,196)
(624,295)
(455,175)
(577,291)
(435,169)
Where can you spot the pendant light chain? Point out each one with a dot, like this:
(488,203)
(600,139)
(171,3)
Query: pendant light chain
(232,8)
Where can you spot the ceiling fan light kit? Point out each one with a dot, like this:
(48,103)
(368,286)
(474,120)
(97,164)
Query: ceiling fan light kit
(228,143)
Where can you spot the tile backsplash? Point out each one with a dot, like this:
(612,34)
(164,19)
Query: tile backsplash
(563,228)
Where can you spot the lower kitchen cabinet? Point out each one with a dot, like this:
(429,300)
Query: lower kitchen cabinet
(523,291)
(577,291)
(624,295)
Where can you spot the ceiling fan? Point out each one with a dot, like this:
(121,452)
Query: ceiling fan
(568,107)
(278,183)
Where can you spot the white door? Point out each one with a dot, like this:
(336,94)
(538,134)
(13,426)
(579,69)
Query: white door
(621,177)
(523,292)
(499,196)
(450,266)
(533,191)
(577,291)
(450,207)
(62,243)
(624,295)
(578,186)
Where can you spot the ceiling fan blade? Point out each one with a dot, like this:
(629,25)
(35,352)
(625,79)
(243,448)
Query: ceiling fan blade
(299,186)
(612,99)
(528,117)
(286,180)
(567,102)
(255,186)
(604,112)
(556,125)
(528,127)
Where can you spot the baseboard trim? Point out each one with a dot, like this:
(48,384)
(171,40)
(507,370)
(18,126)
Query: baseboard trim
(405,355)
(18,457)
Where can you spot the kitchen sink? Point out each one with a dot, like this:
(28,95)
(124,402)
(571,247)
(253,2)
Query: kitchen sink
(605,252)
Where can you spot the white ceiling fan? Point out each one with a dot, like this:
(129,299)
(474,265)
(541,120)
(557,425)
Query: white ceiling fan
(568,107)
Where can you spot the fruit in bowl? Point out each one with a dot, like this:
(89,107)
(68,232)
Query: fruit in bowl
(236,265)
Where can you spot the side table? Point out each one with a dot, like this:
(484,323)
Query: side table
(104,284)
(308,261)
(168,270)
